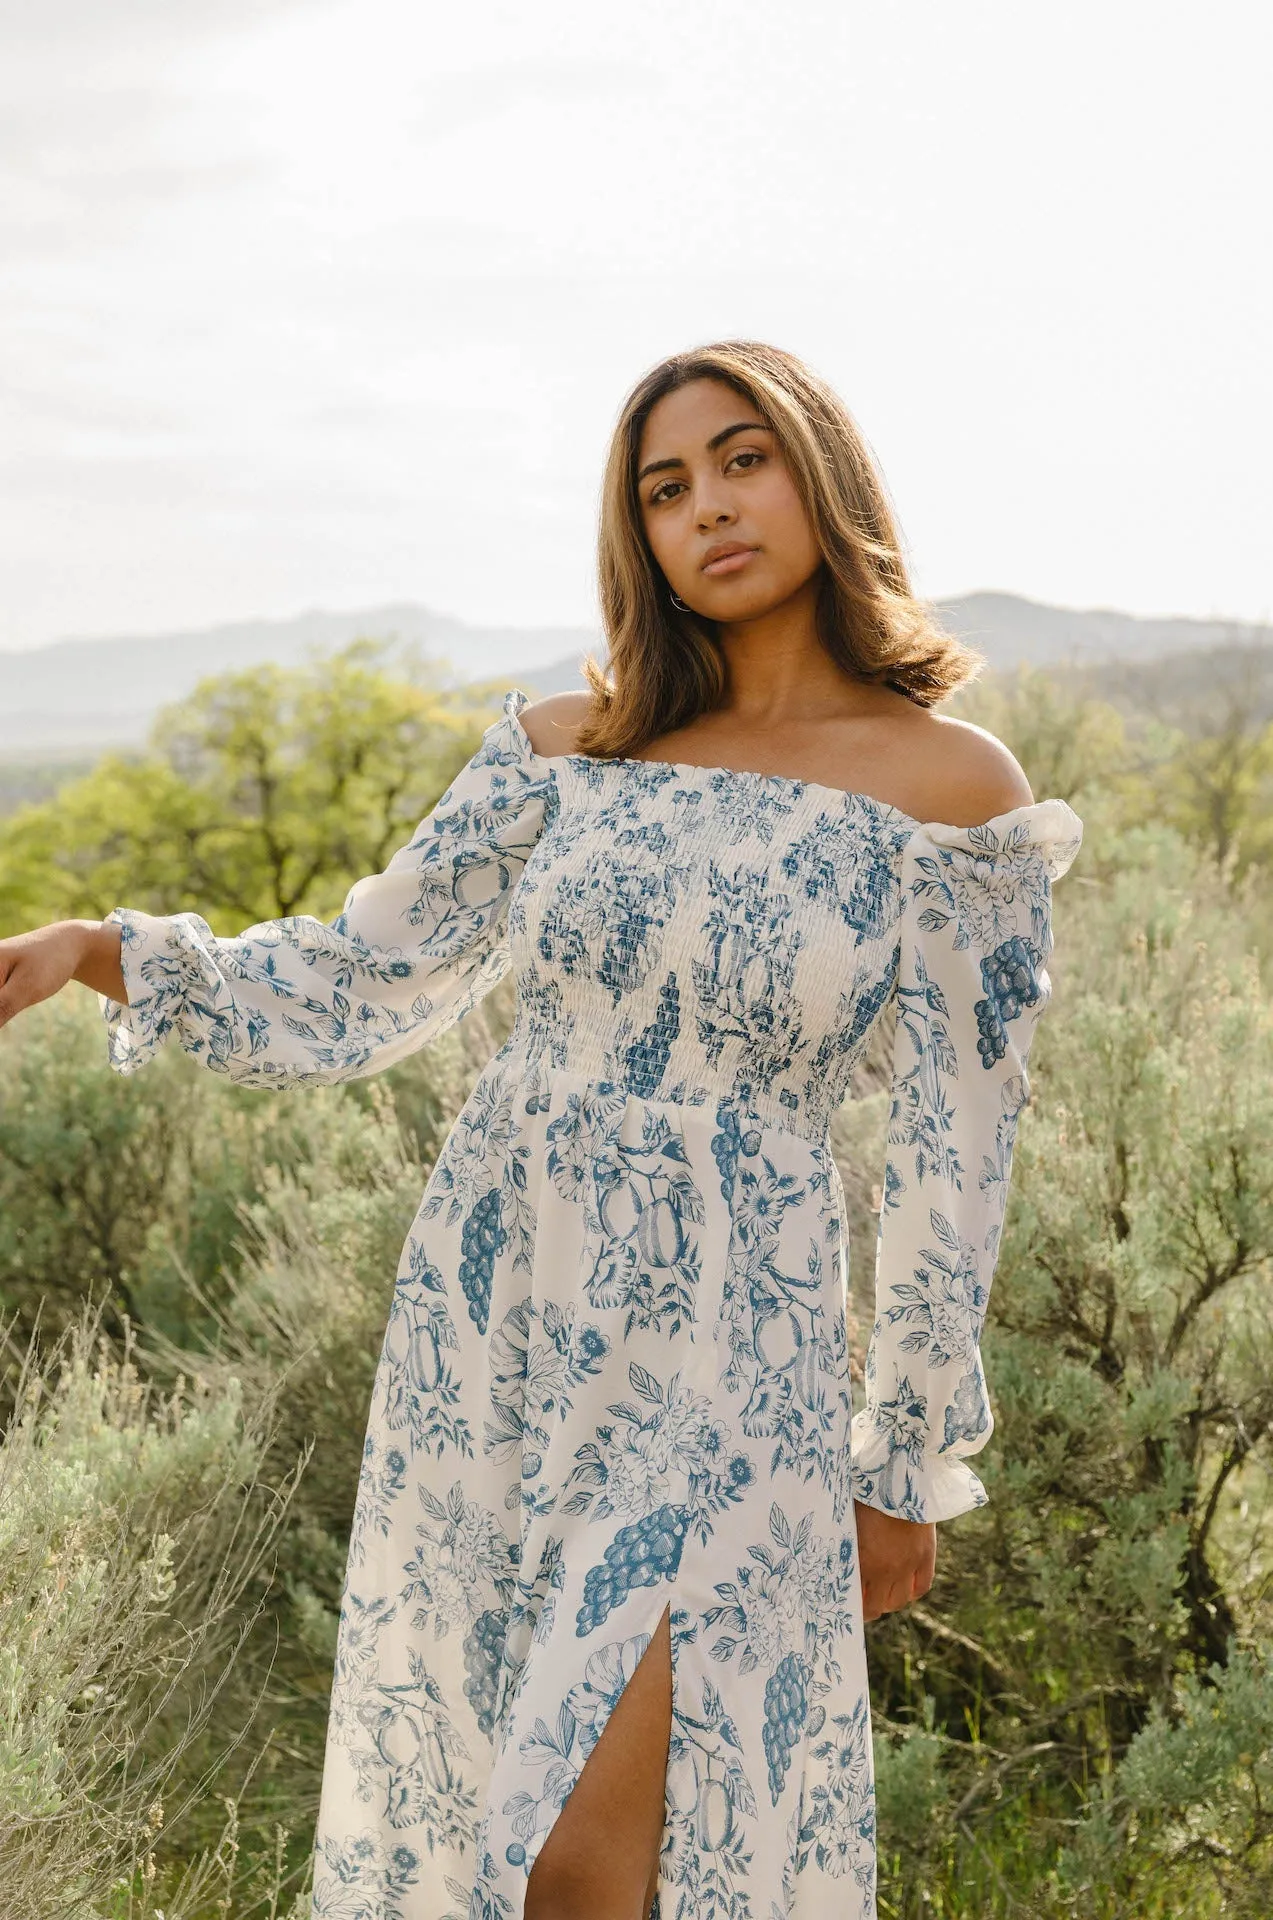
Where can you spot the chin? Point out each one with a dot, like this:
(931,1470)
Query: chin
(733,607)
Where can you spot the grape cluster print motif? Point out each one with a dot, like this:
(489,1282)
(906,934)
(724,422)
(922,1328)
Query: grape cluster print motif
(615,1381)
(1011,981)
(639,1555)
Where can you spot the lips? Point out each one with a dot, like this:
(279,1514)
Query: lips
(726,558)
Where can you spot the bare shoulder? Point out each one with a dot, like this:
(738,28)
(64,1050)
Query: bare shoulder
(970,776)
(553,723)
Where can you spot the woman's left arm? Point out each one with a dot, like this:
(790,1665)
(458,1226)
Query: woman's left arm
(976,934)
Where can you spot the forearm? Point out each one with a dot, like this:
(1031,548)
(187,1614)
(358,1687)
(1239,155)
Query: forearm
(99,964)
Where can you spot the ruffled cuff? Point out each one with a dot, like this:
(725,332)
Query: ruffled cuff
(1048,830)
(889,1478)
(159,959)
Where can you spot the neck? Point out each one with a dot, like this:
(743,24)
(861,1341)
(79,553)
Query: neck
(778,669)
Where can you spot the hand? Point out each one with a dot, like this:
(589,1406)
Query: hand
(34,966)
(896,1559)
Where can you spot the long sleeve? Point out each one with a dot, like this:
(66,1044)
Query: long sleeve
(413,949)
(976,933)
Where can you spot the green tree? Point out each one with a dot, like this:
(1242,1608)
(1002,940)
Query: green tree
(265,794)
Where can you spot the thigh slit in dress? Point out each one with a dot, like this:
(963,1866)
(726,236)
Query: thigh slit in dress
(615,1374)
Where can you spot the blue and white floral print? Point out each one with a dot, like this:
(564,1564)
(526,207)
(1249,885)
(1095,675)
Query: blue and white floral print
(615,1375)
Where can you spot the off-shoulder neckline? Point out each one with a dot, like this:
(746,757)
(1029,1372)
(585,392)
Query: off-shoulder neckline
(1031,810)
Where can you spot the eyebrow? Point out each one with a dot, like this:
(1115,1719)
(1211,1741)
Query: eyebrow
(717,440)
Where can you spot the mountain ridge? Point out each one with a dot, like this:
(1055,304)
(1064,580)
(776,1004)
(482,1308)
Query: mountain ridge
(76,694)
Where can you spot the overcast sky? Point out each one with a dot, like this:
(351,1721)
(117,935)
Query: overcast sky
(332,302)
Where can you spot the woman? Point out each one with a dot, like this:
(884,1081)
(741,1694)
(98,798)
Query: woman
(617,1532)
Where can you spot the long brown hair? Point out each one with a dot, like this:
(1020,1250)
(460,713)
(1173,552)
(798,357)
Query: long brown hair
(666,667)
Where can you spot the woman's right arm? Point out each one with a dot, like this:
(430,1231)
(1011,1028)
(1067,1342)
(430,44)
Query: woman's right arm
(299,999)
(36,965)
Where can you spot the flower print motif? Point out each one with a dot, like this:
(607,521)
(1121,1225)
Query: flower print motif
(778,1601)
(606,920)
(635,1468)
(363,1622)
(769,1606)
(591,1347)
(485,1131)
(838,1812)
(758,806)
(584,1141)
(531,1615)
(532,1386)
(463,1561)
(851,871)
(943,1306)
(382,1480)
(674,1448)
(360,1877)
(990,890)
(606,1673)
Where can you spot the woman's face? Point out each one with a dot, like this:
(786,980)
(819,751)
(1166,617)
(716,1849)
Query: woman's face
(721,513)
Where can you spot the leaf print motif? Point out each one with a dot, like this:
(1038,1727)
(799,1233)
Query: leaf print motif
(420,1386)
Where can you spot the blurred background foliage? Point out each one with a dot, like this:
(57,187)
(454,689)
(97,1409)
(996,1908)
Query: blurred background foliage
(1078,1718)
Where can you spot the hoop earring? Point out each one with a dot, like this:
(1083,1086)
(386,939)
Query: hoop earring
(679,604)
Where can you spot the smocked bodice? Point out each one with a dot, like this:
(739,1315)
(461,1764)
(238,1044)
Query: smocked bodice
(689,933)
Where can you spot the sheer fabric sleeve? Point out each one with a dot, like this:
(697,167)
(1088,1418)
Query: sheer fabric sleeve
(976,933)
(413,949)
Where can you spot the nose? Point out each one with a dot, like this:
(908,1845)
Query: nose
(712,506)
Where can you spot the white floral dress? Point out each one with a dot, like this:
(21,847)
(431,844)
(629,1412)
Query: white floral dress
(615,1375)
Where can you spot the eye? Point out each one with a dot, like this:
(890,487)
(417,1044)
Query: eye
(745,454)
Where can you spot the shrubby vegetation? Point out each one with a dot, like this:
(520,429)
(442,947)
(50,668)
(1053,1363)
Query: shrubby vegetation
(1076,1721)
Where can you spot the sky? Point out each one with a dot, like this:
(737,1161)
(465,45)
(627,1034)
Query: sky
(331,303)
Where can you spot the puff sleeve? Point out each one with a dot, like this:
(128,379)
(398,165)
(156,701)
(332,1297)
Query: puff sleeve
(413,949)
(972,983)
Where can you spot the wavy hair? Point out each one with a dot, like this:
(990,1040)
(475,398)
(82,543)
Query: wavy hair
(666,667)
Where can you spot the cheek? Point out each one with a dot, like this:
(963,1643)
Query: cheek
(789,528)
(657,536)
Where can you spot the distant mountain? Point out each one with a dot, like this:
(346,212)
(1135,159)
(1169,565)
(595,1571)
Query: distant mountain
(72,695)
(1011,631)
